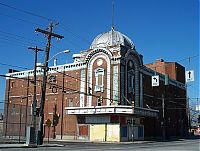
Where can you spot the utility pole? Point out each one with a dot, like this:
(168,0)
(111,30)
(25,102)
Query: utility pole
(49,35)
(34,105)
(62,105)
(163,117)
(7,107)
(188,113)
(27,94)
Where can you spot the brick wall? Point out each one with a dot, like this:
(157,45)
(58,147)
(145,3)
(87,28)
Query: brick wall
(173,69)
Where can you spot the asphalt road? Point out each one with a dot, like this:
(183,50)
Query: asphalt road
(183,145)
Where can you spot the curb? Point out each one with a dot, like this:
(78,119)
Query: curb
(51,145)
(98,142)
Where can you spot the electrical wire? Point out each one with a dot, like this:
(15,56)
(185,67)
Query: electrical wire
(26,12)
(4,64)
(19,19)
(22,37)
(17,40)
(78,91)
(84,80)
(30,22)
(68,29)
(79,79)
(12,43)
(188,58)
(152,65)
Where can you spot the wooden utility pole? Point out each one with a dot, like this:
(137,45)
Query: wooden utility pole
(34,105)
(49,35)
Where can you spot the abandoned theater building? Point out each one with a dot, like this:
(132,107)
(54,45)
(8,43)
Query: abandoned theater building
(106,94)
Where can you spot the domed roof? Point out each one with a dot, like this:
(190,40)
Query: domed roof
(111,38)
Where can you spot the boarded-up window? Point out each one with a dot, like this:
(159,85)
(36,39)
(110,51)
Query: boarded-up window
(83,130)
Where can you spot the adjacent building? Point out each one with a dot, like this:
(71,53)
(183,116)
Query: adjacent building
(106,94)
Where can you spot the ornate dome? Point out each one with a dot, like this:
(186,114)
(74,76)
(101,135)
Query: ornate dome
(111,38)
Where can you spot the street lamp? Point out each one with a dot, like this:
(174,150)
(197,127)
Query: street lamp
(54,56)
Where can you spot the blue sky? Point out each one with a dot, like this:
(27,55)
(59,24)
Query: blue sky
(167,29)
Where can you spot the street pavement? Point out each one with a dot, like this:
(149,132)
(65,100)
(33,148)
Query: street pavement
(181,145)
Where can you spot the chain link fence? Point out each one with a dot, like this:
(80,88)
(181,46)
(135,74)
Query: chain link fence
(14,122)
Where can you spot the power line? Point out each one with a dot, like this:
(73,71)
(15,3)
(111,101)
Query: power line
(88,82)
(19,19)
(75,77)
(57,86)
(84,80)
(16,44)
(18,40)
(30,13)
(75,34)
(69,30)
(4,64)
(22,37)
(57,72)
(118,91)
(60,87)
(73,43)
(78,91)
(26,12)
(188,58)
(29,40)
(155,66)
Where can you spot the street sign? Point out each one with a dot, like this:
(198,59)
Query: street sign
(48,123)
(189,75)
(198,107)
(155,81)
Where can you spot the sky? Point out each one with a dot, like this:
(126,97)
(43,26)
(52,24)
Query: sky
(167,29)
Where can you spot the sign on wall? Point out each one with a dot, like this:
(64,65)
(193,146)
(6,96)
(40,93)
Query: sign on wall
(155,80)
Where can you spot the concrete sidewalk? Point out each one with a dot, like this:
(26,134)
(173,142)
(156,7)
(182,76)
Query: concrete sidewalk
(98,142)
(13,145)
(59,143)
(28,146)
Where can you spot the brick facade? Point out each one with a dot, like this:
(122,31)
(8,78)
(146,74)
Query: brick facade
(117,76)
